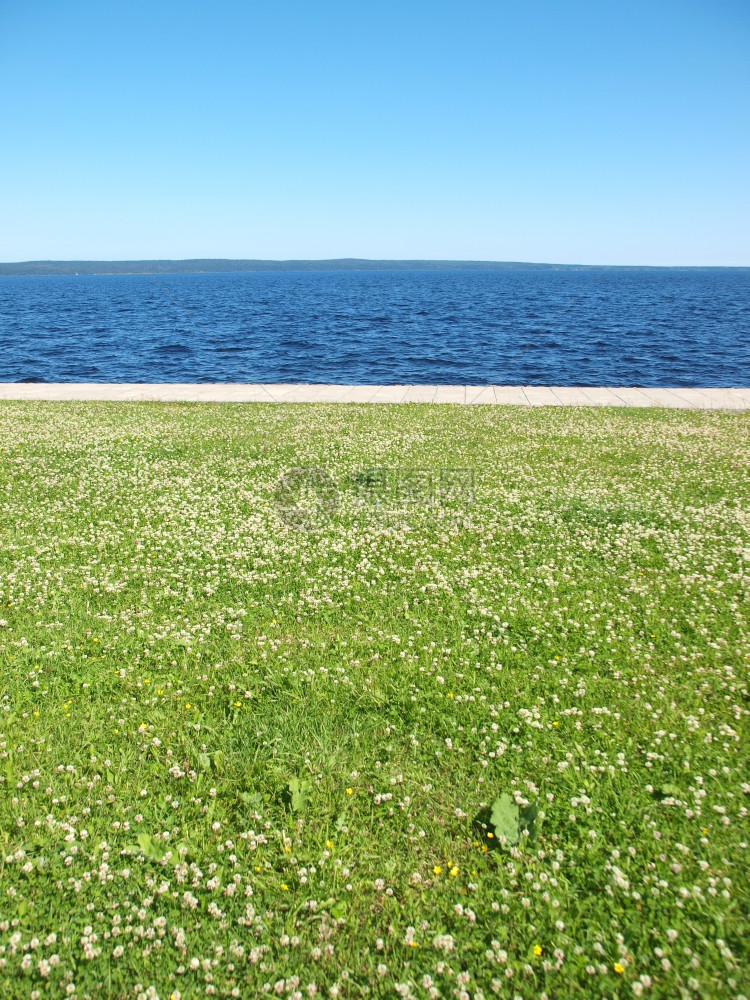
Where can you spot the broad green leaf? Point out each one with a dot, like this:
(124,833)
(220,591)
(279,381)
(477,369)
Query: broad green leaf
(504,818)
(149,847)
(667,791)
(253,800)
(144,842)
(339,910)
(204,761)
(298,792)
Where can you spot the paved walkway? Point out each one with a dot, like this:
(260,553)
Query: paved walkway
(520,395)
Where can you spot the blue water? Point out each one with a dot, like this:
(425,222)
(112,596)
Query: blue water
(646,328)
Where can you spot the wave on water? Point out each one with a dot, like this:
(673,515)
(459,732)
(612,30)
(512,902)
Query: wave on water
(515,327)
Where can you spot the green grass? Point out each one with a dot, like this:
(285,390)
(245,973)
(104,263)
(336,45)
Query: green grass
(251,719)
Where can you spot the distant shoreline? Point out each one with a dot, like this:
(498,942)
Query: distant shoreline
(227,266)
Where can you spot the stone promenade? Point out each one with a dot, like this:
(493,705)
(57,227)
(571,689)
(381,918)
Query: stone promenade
(508,395)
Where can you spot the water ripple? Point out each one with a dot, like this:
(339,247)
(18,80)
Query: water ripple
(649,328)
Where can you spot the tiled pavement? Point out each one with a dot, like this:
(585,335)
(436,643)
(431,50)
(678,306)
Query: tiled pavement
(526,395)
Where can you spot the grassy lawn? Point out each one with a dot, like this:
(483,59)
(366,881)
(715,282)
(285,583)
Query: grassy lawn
(455,709)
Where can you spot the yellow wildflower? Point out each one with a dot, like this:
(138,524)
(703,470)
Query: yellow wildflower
(437,869)
(454,871)
(537,950)
(619,969)
(350,791)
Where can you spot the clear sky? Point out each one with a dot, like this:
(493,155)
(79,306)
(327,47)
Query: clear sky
(602,132)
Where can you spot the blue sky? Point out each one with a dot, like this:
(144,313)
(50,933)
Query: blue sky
(592,132)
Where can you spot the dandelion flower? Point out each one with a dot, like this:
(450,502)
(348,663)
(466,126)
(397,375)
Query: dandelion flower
(454,871)
(537,950)
(437,869)
(619,969)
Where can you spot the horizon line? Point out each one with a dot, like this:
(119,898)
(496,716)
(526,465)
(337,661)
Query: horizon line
(338,263)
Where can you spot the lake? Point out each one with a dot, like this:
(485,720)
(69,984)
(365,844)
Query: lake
(659,327)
